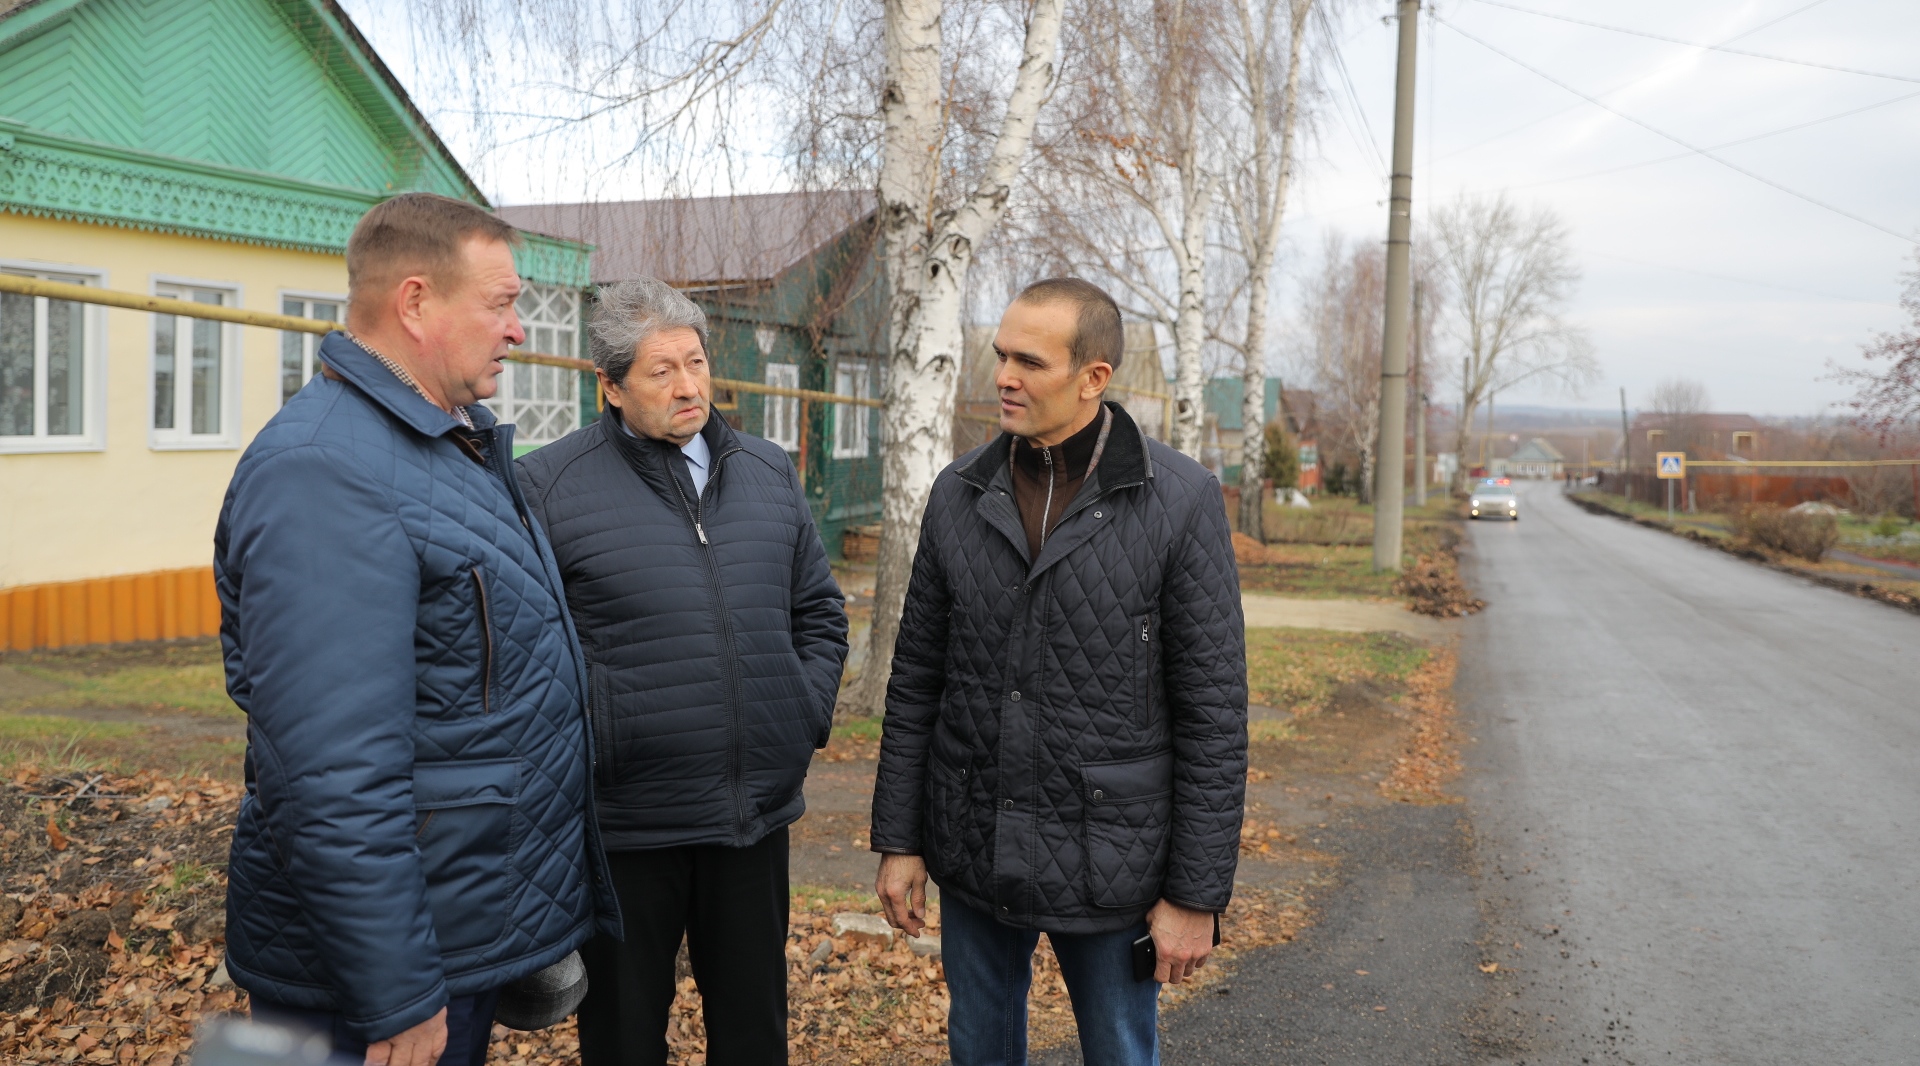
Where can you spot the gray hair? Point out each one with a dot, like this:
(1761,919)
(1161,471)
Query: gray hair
(628,312)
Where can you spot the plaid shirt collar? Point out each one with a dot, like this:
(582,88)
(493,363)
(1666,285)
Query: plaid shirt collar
(406,378)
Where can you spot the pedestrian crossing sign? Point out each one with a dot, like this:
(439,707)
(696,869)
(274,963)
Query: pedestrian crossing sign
(1672,464)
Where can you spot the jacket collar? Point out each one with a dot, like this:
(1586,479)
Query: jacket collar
(1125,462)
(654,460)
(378,384)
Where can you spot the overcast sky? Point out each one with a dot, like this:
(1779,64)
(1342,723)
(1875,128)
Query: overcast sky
(1691,268)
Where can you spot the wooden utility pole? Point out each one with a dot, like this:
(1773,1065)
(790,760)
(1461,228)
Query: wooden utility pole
(1390,485)
(1420,400)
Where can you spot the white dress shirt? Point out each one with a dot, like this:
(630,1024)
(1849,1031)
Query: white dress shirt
(699,457)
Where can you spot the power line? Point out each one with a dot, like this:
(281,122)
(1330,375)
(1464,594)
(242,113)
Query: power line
(1717,147)
(1340,64)
(1688,145)
(1737,280)
(1696,44)
(1630,83)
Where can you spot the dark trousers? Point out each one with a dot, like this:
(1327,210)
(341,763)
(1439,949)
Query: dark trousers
(731,905)
(469,1027)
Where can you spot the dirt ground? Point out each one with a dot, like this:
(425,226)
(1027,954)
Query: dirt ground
(1370,729)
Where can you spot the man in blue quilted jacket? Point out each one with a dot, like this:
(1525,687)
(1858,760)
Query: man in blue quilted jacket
(417,830)
(715,635)
(1065,744)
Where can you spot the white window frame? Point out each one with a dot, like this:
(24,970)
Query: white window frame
(781,414)
(93,408)
(852,438)
(309,342)
(178,439)
(506,404)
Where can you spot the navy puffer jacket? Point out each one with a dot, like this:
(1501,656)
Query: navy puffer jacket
(417,820)
(713,628)
(1066,736)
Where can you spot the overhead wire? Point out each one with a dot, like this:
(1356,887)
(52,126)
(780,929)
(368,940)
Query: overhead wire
(1523,127)
(1688,145)
(1723,144)
(1708,47)
(1366,132)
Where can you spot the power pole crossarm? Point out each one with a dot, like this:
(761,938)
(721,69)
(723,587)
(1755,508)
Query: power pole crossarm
(1390,492)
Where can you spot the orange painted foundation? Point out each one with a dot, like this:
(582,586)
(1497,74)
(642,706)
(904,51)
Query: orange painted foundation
(162,605)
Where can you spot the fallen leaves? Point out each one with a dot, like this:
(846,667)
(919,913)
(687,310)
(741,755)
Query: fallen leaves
(1432,757)
(1433,587)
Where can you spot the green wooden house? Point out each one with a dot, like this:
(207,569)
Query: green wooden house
(795,297)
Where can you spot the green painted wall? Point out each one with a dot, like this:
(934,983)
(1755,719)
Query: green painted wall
(830,304)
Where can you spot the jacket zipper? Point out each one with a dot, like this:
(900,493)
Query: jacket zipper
(1046,510)
(486,642)
(729,658)
(1144,678)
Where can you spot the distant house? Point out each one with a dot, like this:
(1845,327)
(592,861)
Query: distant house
(1701,436)
(1223,432)
(218,152)
(1536,458)
(795,298)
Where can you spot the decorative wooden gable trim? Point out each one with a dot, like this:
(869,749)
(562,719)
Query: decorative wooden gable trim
(268,122)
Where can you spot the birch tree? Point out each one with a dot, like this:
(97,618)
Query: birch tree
(929,251)
(1269,89)
(1131,185)
(1342,318)
(1509,274)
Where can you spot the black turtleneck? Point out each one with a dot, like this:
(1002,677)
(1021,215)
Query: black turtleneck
(1046,479)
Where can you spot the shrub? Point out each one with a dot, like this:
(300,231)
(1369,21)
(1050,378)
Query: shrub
(1283,459)
(1808,536)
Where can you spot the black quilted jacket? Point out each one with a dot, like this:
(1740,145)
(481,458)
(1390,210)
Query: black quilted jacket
(713,630)
(1065,739)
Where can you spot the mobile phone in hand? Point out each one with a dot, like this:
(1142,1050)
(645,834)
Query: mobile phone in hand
(1144,958)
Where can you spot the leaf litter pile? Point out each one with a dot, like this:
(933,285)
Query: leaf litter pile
(112,918)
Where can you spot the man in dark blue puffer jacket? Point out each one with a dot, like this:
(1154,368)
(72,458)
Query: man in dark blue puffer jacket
(417,827)
(714,636)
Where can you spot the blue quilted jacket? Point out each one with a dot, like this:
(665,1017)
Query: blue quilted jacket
(418,819)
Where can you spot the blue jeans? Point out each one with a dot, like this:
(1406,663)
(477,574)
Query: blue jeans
(990,967)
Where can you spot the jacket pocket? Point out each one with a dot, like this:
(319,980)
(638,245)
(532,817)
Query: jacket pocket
(1128,828)
(600,718)
(484,616)
(466,843)
(946,797)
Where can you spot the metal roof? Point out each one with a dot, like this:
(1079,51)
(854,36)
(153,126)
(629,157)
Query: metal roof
(699,241)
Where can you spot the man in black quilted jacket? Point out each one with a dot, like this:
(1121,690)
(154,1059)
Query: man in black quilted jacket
(1065,744)
(714,638)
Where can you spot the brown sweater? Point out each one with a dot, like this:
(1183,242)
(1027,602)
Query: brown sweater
(1046,479)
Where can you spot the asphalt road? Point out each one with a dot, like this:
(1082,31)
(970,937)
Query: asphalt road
(1706,775)
(1688,835)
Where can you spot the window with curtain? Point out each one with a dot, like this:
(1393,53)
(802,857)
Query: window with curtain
(783,412)
(297,350)
(45,350)
(851,377)
(192,372)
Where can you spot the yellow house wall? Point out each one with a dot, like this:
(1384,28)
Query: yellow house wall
(130,508)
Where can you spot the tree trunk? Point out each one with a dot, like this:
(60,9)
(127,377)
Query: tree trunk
(927,258)
(1190,324)
(1272,190)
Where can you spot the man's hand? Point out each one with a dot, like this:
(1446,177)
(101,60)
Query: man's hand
(418,1046)
(901,885)
(1182,940)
